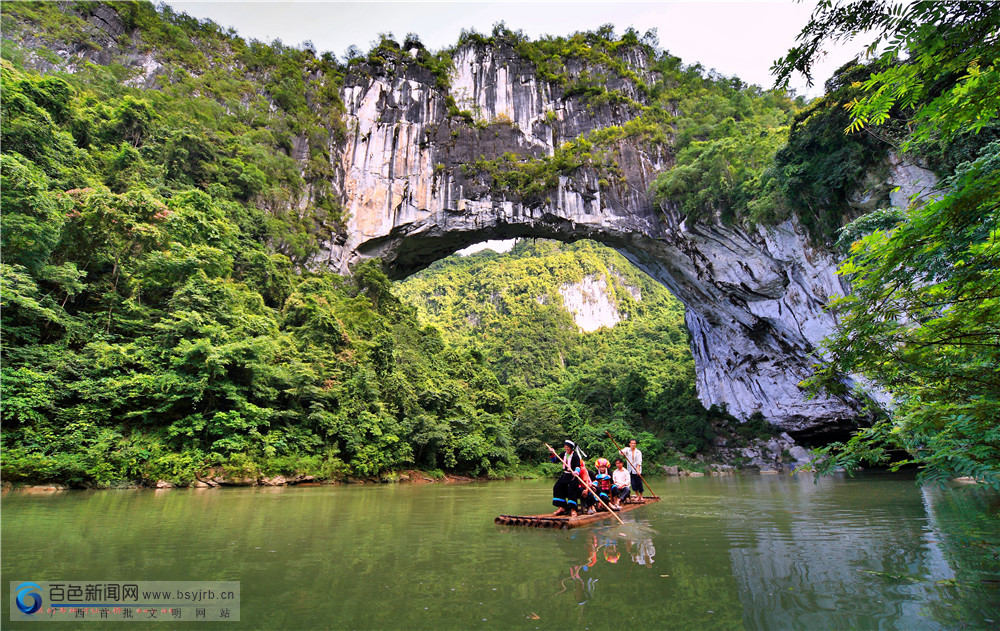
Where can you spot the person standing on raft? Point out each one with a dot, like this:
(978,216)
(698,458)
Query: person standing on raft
(634,459)
(566,492)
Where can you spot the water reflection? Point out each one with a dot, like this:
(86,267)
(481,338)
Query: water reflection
(583,586)
(604,549)
(642,552)
(856,553)
(964,529)
(717,553)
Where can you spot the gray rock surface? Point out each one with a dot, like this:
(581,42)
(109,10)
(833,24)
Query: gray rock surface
(755,298)
(800,454)
(590,304)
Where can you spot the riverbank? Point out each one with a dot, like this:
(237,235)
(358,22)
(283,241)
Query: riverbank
(778,454)
(220,478)
(772,455)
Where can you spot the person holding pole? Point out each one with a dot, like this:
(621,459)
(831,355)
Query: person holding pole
(634,459)
(566,492)
(622,451)
(566,461)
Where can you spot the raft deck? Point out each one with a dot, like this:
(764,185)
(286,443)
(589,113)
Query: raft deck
(563,522)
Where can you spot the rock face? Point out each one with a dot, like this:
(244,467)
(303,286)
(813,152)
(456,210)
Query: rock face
(754,299)
(105,32)
(591,305)
(408,181)
(411,201)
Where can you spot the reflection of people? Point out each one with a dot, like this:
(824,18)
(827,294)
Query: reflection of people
(566,492)
(583,588)
(610,546)
(634,458)
(621,483)
(611,554)
(645,553)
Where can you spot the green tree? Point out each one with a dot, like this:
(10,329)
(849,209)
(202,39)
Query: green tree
(32,216)
(922,317)
(948,79)
(721,177)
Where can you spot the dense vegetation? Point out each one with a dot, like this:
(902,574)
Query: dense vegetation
(923,320)
(158,318)
(636,378)
(150,336)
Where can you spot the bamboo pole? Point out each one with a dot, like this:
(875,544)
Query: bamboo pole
(627,459)
(585,485)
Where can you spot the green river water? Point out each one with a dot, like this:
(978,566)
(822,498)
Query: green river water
(749,552)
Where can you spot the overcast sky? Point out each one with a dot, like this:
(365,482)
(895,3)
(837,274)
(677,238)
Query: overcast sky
(735,38)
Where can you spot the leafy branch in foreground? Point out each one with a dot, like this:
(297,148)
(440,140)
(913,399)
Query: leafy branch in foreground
(950,75)
(923,318)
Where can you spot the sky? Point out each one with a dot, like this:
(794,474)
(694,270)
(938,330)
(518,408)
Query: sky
(735,38)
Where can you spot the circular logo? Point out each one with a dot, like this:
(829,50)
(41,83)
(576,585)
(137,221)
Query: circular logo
(27,591)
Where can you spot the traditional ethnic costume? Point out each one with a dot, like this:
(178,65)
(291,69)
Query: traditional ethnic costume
(603,481)
(566,492)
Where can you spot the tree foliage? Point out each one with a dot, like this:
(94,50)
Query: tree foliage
(922,318)
(948,79)
(633,379)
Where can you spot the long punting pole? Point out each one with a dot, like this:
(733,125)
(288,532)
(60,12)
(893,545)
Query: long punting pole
(622,452)
(585,485)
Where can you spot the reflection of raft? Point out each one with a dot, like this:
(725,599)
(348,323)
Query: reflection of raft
(565,523)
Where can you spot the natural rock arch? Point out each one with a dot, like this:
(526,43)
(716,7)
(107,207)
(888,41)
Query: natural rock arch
(755,298)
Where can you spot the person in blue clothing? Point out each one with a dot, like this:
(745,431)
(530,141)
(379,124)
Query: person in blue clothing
(602,480)
(566,492)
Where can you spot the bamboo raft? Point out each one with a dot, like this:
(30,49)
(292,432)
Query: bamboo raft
(563,522)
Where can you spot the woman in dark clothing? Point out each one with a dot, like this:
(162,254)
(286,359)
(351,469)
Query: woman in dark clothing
(566,492)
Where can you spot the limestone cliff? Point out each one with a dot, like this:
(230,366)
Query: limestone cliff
(408,179)
(755,298)
(590,304)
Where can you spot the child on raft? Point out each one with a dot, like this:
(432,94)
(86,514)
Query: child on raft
(603,482)
(621,484)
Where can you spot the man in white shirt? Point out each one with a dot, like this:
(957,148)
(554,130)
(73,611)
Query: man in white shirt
(634,459)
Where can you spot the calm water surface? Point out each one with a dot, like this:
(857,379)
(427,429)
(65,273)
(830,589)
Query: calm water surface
(752,552)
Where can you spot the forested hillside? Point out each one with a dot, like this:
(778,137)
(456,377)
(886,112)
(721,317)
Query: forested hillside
(633,378)
(167,186)
(159,319)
